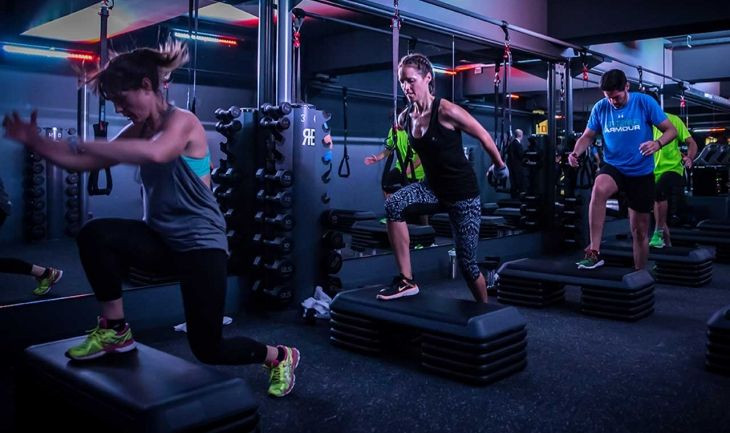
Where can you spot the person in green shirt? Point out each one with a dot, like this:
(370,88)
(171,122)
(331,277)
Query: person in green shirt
(394,178)
(669,166)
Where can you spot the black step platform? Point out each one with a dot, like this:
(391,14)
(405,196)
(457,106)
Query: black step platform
(343,219)
(718,342)
(714,225)
(690,237)
(145,390)
(373,234)
(489,227)
(470,341)
(512,215)
(682,266)
(615,293)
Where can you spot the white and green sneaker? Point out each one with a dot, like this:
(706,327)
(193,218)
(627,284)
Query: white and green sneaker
(657,239)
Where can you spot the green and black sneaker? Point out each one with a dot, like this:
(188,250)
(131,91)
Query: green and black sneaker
(592,260)
(281,373)
(102,341)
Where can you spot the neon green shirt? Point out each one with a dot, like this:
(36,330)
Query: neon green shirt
(403,145)
(669,158)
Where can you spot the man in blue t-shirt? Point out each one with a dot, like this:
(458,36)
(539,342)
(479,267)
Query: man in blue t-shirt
(625,120)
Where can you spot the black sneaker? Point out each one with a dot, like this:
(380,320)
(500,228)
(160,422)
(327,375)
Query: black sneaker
(400,287)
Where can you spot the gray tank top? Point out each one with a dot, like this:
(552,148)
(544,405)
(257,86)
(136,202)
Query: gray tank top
(181,208)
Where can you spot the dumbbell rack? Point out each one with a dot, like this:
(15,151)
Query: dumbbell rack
(35,216)
(52,205)
(234,189)
(532,207)
(273,154)
(272,266)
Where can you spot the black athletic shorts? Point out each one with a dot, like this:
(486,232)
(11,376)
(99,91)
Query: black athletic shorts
(639,190)
(668,185)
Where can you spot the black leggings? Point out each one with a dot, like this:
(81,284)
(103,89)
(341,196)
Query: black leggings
(108,247)
(465,217)
(9,265)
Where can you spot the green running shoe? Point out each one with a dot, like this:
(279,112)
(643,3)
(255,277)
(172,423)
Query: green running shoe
(47,280)
(592,260)
(657,239)
(101,341)
(281,375)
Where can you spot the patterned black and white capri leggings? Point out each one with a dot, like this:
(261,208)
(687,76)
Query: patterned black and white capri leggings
(465,217)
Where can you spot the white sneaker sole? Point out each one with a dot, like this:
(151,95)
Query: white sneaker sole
(409,292)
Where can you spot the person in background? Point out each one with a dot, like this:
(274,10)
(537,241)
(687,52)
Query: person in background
(45,277)
(669,167)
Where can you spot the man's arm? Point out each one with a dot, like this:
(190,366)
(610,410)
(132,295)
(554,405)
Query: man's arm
(669,133)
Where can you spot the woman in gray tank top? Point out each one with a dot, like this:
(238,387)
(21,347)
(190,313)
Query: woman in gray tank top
(184,230)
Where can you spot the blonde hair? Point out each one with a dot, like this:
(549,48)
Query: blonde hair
(127,70)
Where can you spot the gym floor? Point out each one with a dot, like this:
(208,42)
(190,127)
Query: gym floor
(584,374)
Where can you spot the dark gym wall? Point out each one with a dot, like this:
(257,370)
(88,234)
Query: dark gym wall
(55,98)
(620,20)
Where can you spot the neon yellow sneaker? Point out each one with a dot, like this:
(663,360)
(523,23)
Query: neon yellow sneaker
(657,239)
(101,341)
(281,375)
(45,282)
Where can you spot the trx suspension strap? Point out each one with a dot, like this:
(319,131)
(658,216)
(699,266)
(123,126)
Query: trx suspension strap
(507,66)
(345,162)
(497,82)
(395,25)
(193,36)
(683,114)
(297,43)
(641,78)
(100,129)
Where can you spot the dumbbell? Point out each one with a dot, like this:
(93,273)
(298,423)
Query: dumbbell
(37,191)
(332,286)
(332,239)
(282,177)
(37,168)
(280,294)
(222,175)
(332,262)
(282,198)
(72,191)
(73,216)
(227,115)
(72,178)
(72,203)
(279,125)
(282,221)
(230,216)
(281,267)
(37,218)
(275,110)
(36,204)
(281,244)
(37,232)
(228,128)
(38,180)
(223,192)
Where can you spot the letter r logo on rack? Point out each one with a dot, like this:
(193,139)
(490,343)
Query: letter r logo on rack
(308,137)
